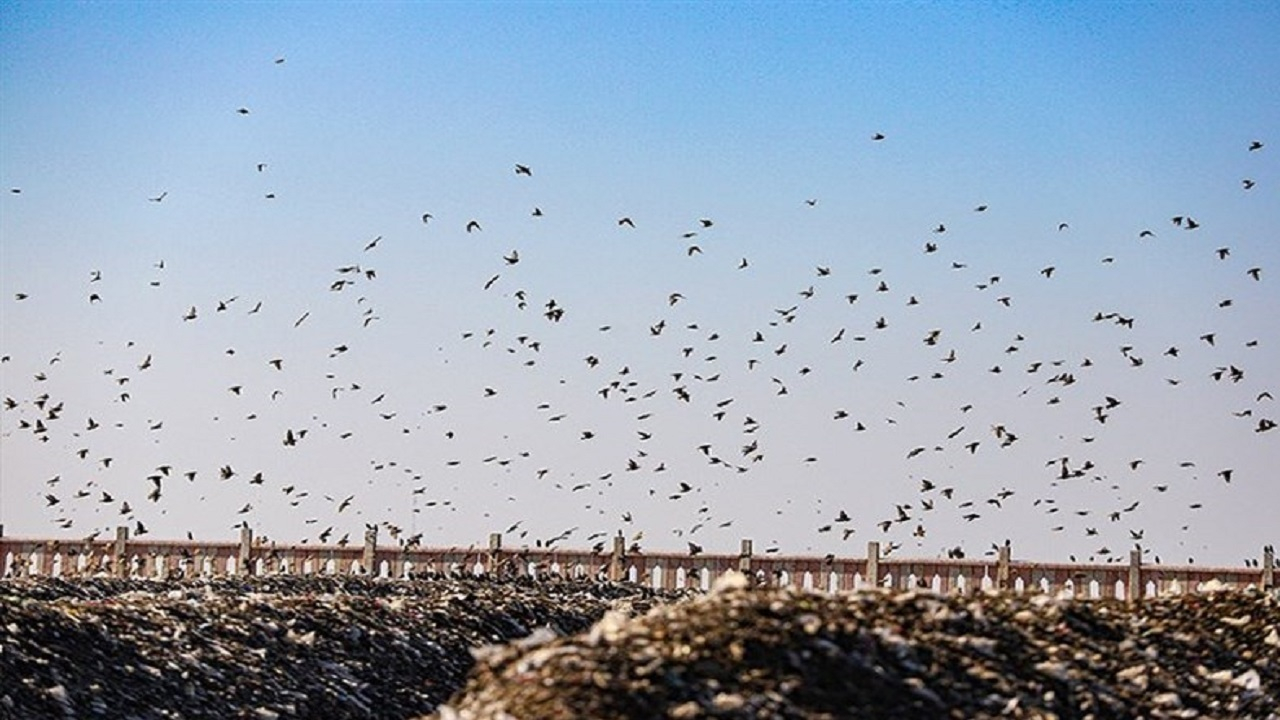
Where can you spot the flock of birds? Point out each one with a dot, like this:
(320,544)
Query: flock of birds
(671,392)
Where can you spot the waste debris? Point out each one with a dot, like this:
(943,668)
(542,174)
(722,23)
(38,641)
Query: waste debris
(744,652)
(271,647)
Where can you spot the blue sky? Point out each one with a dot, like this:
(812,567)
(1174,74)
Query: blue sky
(1108,118)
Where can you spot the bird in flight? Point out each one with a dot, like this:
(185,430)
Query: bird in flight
(160,197)
(523,170)
(473,225)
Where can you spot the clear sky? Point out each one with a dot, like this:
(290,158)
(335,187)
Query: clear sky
(184,185)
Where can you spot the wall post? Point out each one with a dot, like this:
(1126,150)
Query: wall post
(494,557)
(243,566)
(873,563)
(744,558)
(617,559)
(1133,589)
(370,551)
(1002,569)
(45,566)
(119,552)
(1268,568)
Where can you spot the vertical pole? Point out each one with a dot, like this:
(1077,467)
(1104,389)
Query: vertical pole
(1133,587)
(1268,568)
(495,553)
(873,563)
(45,567)
(744,559)
(243,566)
(118,553)
(370,551)
(617,558)
(1002,569)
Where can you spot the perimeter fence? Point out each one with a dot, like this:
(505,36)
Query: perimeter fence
(125,556)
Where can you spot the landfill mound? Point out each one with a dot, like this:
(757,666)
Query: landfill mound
(305,647)
(765,653)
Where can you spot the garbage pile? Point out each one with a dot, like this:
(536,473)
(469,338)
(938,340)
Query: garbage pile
(766,653)
(275,647)
(489,649)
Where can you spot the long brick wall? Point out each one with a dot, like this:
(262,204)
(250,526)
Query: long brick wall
(123,556)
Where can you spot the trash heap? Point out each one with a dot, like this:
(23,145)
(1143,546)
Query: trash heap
(766,653)
(277,647)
